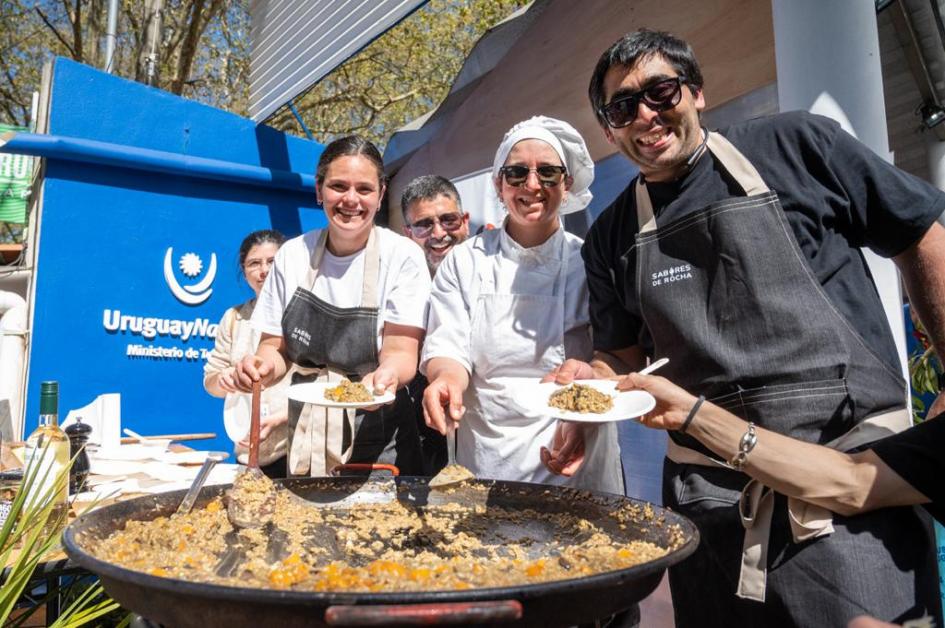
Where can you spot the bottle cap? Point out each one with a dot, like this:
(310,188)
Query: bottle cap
(49,398)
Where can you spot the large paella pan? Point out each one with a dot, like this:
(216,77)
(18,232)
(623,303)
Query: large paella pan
(172,600)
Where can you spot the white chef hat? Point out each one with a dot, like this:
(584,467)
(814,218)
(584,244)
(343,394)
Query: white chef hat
(570,147)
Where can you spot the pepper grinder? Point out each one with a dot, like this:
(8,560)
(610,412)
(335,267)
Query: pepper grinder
(78,434)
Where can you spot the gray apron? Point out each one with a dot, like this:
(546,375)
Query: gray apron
(727,295)
(326,342)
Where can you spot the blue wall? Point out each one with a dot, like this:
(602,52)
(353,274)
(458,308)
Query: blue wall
(104,235)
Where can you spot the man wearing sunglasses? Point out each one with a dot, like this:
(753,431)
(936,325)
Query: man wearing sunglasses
(434,217)
(737,256)
(435,220)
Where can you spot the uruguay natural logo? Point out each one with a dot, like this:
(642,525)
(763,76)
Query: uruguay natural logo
(191,266)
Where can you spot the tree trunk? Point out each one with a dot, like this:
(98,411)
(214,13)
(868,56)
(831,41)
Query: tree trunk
(199,19)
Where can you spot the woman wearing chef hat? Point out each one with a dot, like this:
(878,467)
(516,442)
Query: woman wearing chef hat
(512,303)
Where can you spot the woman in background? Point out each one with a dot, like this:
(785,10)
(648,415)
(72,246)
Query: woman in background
(236,339)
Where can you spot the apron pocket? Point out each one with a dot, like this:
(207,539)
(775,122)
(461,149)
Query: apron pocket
(704,488)
(814,411)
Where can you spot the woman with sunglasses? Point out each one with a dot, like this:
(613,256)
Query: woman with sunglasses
(345,301)
(512,303)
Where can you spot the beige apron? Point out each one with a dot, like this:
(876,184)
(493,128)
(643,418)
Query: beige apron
(317,442)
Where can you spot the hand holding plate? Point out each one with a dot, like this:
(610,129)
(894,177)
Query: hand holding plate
(569,371)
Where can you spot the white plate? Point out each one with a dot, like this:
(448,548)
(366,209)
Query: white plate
(152,450)
(314,393)
(237,411)
(627,404)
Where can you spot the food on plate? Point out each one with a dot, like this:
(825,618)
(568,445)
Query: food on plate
(348,392)
(581,398)
(396,546)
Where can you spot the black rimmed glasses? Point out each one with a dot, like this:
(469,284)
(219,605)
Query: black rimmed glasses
(424,227)
(548,176)
(659,96)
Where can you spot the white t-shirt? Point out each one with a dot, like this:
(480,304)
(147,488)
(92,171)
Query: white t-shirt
(403,290)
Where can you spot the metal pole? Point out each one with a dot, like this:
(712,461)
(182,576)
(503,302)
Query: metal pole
(111,35)
(298,118)
(155,17)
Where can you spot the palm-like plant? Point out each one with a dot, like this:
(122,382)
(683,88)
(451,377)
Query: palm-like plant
(30,534)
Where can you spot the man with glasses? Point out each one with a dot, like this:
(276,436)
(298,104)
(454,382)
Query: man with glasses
(737,255)
(434,219)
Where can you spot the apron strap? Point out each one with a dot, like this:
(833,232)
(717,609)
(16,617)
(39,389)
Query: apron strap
(316,444)
(736,164)
(740,169)
(756,504)
(372,262)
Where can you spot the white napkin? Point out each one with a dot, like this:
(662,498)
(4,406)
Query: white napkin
(103,415)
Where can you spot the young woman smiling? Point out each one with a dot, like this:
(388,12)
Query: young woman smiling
(346,301)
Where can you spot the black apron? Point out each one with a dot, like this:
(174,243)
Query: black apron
(727,295)
(329,343)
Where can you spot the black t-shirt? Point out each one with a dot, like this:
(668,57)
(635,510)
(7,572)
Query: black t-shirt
(918,455)
(837,195)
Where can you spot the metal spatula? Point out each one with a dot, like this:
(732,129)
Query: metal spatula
(246,507)
(187,503)
(452,473)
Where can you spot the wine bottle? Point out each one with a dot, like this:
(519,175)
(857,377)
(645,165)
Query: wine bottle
(47,454)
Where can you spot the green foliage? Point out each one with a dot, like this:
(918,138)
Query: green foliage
(202,53)
(925,370)
(400,76)
(31,533)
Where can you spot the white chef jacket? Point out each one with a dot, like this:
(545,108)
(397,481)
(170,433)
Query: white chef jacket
(504,311)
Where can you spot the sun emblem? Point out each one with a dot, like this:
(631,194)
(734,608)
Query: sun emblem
(190,264)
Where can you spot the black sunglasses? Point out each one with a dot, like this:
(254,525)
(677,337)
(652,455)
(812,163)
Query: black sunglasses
(548,176)
(659,96)
(424,227)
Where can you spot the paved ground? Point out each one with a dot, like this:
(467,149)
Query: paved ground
(656,611)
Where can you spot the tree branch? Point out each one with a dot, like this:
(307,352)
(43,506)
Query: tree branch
(56,32)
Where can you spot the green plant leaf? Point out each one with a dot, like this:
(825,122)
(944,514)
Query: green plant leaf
(28,535)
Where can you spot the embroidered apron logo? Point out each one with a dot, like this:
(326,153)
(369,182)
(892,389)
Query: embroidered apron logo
(190,265)
(302,336)
(671,274)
